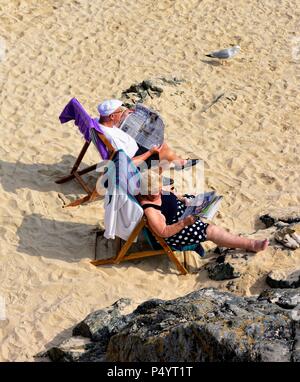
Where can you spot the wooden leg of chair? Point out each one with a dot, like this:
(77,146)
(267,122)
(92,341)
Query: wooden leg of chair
(129,241)
(80,156)
(82,183)
(88,198)
(171,255)
(67,178)
(111,260)
(94,195)
(87,169)
(78,202)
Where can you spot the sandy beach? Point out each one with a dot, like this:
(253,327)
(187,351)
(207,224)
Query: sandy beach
(92,50)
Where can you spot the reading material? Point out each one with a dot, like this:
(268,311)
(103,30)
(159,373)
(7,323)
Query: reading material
(203,205)
(145,126)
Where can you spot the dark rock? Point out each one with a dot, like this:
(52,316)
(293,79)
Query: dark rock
(296,349)
(138,93)
(211,326)
(222,271)
(206,325)
(222,250)
(102,324)
(285,298)
(220,259)
(280,279)
(76,349)
(267,220)
(286,215)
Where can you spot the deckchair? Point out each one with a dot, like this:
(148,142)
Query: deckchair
(91,131)
(158,244)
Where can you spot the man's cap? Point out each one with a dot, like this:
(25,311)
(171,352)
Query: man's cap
(109,106)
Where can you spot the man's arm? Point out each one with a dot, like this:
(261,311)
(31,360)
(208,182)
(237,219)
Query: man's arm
(141,158)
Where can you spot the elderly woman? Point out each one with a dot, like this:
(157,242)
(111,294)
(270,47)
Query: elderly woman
(163,211)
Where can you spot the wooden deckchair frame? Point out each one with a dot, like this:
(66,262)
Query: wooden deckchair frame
(92,194)
(122,253)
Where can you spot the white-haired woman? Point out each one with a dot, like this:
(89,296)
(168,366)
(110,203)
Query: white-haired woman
(163,211)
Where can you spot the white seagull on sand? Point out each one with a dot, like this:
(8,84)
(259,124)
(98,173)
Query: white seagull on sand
(225,54)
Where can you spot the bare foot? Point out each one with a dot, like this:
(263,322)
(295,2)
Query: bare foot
(259,245)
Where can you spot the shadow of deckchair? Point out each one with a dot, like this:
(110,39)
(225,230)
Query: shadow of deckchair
(66,241)
(69,242)
(35,176)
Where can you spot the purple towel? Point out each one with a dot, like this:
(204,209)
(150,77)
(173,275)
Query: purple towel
(74,110)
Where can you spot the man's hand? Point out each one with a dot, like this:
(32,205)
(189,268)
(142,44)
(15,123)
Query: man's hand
(155,149)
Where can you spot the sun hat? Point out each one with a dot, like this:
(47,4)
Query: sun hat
(107,107)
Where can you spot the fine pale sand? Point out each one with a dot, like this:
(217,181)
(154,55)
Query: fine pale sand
(94,49)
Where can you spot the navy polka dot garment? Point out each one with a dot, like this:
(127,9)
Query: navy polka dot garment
(193,234)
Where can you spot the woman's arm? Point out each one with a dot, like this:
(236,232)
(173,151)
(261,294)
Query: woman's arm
(157,222)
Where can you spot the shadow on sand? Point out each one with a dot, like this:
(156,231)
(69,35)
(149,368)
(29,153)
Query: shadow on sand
(211,62)
(41,177)
(72,242)
(61,240)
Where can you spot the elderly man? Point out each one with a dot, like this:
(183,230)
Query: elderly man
(112,113)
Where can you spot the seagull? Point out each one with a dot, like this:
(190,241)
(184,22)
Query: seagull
(224,54)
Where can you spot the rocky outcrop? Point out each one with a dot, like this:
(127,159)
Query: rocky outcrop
(230,263)
(287,215)
(286,221)
(287,299)
(289,236)
(138,93)
(281,279)
(104,323)
(222,271)
(206,325)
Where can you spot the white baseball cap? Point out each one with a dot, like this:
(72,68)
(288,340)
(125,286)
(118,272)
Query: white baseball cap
(109,106)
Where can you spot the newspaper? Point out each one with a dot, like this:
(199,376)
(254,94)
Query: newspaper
(203,205)
(145,126)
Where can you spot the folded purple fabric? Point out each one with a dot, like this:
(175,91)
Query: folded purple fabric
(74,111)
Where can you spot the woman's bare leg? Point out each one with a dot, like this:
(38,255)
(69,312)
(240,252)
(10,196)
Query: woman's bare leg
(223,238)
